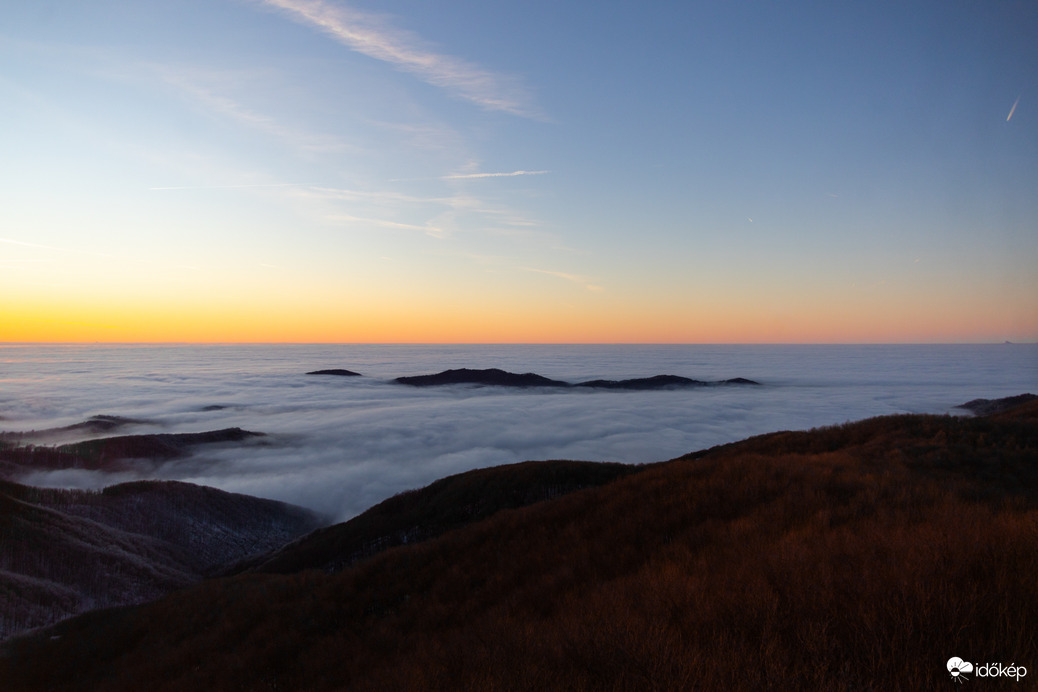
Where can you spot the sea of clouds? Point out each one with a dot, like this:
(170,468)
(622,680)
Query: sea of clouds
(339,445)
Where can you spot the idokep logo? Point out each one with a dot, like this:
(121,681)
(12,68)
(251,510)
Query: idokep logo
(959,669)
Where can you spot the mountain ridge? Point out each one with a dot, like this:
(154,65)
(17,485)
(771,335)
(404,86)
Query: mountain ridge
(115,453)
(502,378)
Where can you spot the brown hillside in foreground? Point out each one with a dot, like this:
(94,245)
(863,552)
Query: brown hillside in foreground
(857,557)
(444,505)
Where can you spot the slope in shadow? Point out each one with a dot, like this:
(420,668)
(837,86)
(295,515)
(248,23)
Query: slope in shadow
(445,505)
(66,551)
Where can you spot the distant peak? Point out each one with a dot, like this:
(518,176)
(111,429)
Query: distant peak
(488,377)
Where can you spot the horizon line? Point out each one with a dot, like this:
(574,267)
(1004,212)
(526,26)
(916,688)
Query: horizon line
(520,343)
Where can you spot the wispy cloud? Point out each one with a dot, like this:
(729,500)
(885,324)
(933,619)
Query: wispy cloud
(371,35)
(434,231)
(427,136)
(573,278)
(376,196)
(443,215)
(468,176)
(471,176)
(224,187)
(211,89)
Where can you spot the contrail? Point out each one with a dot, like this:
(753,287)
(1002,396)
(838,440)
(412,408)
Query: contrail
(1013,109)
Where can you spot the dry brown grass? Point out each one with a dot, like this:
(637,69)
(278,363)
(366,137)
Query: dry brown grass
(854,558)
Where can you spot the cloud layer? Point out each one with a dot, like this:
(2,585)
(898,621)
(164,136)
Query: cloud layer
(340,445)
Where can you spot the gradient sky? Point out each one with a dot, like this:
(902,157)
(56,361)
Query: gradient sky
(473,171)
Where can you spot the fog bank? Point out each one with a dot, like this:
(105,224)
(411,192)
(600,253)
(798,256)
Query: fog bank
(339,445)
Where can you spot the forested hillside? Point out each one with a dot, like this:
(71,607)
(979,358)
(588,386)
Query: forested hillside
(861,556)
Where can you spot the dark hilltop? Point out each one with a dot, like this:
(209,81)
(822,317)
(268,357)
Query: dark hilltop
(660,382)
(94,425)
(984,407)
(500,378)
(119,453)
(492,376)
(335,371)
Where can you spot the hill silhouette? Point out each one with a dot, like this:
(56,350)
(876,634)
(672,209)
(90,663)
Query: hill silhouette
(859,556)
(92,426)
(983,407)
(501,378)
(660,382)
(120,453)
(490,376)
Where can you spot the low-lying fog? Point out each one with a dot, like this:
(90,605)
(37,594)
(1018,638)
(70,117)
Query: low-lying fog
(340,445)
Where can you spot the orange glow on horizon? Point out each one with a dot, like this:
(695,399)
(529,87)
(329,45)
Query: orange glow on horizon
(589,323)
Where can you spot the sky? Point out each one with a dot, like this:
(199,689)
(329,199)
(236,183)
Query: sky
(566,172)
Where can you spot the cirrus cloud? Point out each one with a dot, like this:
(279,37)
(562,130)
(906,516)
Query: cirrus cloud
(372,35)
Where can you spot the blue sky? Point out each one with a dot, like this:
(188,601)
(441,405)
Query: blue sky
(302,170)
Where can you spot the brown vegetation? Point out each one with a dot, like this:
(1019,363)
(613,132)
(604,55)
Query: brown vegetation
(419,515)
(857,557)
